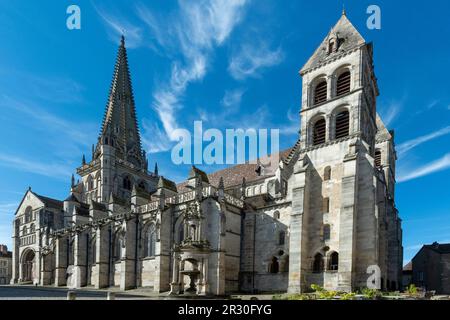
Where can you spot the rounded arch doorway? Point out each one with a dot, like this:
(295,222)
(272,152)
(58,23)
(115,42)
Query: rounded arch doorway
(28,261)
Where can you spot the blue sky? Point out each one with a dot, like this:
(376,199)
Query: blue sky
(229,63)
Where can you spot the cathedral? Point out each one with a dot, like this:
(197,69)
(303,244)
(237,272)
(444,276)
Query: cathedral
(325,216)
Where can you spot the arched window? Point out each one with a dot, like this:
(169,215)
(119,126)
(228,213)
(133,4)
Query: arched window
(150,241)
(342,124)
(127,183)
(32,228)
(274,265)
(28,212)
(326,232)
(89,183)
(343,84)
(281,238)
(318,263)
(334,262)
(320,92)
(378,158)
(319,132)
(327,173)
(24,230)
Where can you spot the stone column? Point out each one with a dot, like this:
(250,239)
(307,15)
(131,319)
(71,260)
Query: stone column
(220,275)
(127,270)
(298,264)
(347,223)
(100,274)
(175,284)
(15,255)
(60,261)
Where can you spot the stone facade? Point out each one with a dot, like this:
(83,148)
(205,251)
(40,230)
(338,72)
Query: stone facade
(431,268)
(323,217)
(5,265)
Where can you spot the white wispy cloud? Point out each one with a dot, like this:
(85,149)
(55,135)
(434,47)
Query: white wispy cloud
(293,125)
(79,134)
(251,59)
(432,167)
(391,111)
(7,208)
(406,146)
(117,26)
(232,98)
(49,169)
(196,29)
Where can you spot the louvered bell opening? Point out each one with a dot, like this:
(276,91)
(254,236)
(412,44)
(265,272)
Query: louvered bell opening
(378,159)
(343,84)
(320,94)
(342,124)
(319,132)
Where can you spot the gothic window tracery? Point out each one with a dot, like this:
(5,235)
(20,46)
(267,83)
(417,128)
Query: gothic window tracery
(126,183)
(150,241)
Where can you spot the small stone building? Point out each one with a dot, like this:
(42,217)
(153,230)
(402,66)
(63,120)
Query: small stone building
(5,265)
(431,268)
(324,215)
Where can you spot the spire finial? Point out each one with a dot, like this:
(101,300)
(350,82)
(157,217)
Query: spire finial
(122,39)
(72,182)
(155,172)
(344,13)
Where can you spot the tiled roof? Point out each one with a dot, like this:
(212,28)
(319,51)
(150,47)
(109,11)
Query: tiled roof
(83,209)
(233,176)
(408,267)
(49,202)
(438,247)
(98,206)
(167,184)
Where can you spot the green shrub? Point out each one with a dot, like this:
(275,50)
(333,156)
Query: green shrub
(348,296)
(370,293)
(412,289)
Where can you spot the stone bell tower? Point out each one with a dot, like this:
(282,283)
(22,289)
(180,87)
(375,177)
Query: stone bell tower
(338,217)
(118,161)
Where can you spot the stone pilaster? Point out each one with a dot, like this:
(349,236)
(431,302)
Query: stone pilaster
(347,223)
(298,229)
(79,278)
(128,263)
(60,261)
(102,247)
